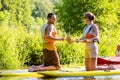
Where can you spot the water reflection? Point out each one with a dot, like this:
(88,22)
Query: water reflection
(114,77)
(48,78)
(90,78)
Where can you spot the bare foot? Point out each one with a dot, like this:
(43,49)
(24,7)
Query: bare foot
(35,68)
(110,67)
(31,70)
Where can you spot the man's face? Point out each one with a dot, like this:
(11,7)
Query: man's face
(52,19)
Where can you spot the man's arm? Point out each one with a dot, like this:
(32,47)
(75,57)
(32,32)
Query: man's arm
(49,34)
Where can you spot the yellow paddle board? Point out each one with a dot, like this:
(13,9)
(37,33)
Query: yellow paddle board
(79,73)
(22,73)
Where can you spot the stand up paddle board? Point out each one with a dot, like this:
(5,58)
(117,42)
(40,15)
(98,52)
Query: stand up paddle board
(22,73)
(79,73)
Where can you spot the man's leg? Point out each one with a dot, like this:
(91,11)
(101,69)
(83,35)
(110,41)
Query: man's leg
(51,61)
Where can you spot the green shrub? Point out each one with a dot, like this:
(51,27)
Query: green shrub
(74,53)
(71,12)
(108,42)
(17,45)
(70,53)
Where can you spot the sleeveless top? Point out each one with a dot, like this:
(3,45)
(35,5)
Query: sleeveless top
(89,35)
(47,43)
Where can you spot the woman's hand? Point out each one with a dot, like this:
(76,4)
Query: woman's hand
(81,40)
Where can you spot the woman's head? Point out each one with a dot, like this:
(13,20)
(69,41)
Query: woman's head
(89,17)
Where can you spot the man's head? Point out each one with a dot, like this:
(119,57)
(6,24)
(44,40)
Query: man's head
(51,18)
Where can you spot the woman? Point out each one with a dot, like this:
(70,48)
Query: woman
(90,37)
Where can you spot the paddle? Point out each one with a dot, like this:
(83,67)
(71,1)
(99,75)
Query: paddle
(80,40)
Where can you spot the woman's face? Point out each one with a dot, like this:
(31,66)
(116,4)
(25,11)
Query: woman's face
(86,20)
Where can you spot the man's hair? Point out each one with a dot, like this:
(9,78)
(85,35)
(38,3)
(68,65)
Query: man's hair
(50,15)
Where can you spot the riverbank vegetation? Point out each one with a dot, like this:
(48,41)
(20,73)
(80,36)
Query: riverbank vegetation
(20,22)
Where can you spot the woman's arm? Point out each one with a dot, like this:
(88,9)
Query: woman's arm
(94,39)
(95,33)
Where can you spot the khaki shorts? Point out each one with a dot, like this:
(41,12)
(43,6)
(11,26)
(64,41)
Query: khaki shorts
(91,53)
(51,58)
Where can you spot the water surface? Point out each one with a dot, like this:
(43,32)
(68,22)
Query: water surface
(114,77)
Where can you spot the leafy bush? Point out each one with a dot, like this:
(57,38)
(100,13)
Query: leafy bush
(108,42)
(70,13)
(20,46)
(74,53)
(15,13)
(17,47)
(70,53)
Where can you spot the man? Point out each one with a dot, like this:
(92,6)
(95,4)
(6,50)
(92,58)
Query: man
(51,58)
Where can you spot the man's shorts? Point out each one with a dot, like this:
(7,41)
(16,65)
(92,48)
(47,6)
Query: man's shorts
(51,58)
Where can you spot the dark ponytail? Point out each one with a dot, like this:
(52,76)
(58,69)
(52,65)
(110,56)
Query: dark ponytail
(90,16)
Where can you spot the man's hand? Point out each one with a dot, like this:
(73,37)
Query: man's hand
(77,40)
(62,39)
(69,40)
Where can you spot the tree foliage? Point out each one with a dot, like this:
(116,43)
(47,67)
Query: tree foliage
(41,8)
(70,13)
(14,12)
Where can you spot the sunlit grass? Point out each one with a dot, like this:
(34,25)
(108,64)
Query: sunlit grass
(18,46)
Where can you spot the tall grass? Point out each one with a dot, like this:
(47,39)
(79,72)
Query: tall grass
(19,47)
(108,42)
(74,53)
(70,53)
(16,46)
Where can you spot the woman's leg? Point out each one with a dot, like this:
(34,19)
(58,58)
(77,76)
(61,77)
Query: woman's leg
(93,64)
(87,64)
(104,67)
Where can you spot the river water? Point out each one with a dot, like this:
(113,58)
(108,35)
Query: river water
(114,77)
(111,77)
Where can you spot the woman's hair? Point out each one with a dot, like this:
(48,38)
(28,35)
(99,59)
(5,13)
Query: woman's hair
(89,15)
